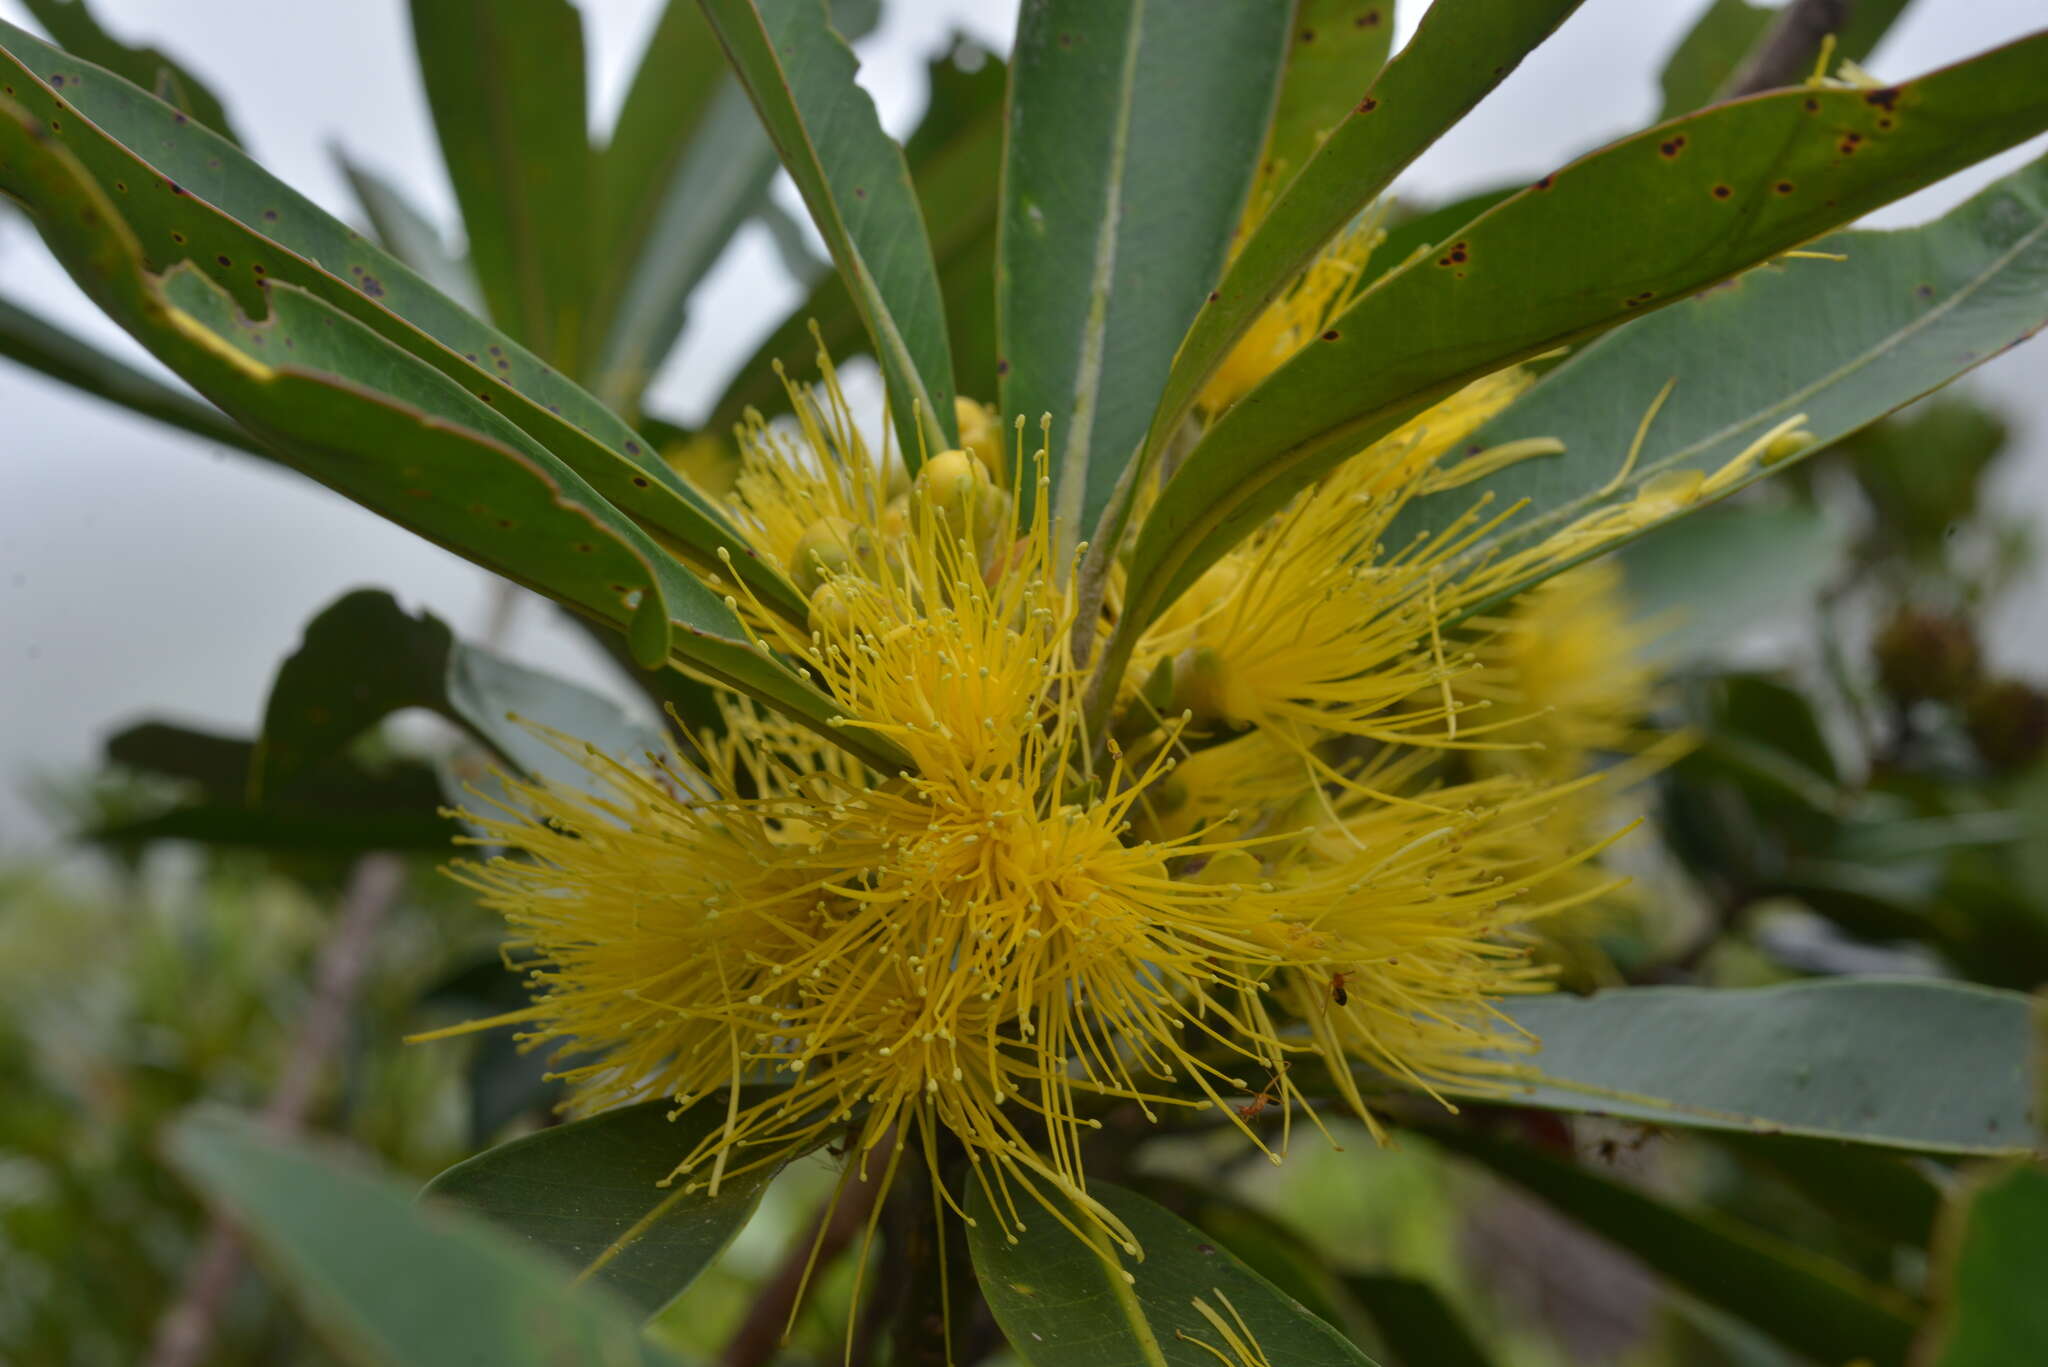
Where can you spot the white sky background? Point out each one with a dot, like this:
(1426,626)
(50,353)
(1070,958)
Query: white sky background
(143,572)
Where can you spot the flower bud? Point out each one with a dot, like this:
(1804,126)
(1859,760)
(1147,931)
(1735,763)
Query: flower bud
(982,437)
(831,613)
(830,546)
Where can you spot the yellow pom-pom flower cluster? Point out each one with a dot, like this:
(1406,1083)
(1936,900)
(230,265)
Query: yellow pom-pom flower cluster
(1266,862)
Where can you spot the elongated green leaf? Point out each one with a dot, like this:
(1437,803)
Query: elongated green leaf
(800,75)
(364,658)
(42,346)
(439,460)
(955,160)
(1806,1302)
(1695,583)
(1840,342)
(1463,49)
(1728,35)
(1419,1325)
(191,196)
(506,85)
(598,1195)
(407,235)
(679,76)
(1882,1193)
(721,181)
(386,1281)
(1990,1310)
(1065,1303)
(1107,244)
(1702,198)
(1334,51)
(1900,1063)
(71,23)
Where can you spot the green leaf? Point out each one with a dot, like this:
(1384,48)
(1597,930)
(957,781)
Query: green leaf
(407,235)
(1335,48)
(42,346)
(190,196)
(1697,582)
(440,460)
(506,86)
(598,1195)
(1463,49)
(1841,342)
(1806,1302)
(1063,1302)
(71,23)
(218,765)
(364,658)
(1710,53)
(385,1280)
(1406,236)
(640,183)
(1419,1325)
(1881,1193)
(1918,1064)
(800,75)
(1724,39)
(1990,1310)
(1527,277)
(955,160)
(1108,243)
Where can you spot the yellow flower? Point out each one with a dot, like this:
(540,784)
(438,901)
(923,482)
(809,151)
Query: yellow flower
(983,949)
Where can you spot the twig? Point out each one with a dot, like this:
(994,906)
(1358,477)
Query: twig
(832,1232)
(1786,51)
(185,1332)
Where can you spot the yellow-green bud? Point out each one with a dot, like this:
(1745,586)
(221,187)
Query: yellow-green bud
(831,614)
(828,547)
(981,437)
(1231,866)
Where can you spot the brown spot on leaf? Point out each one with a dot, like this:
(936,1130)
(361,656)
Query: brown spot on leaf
(1638,300)
(222,258)
(1784,187)
(1672,146)
(1811,105)
(1367,105)
(1885,99)
(639,481)
(1924,291)
(177,237)
(1332,335)
(1369,19)
(1723,191)
(1308,35)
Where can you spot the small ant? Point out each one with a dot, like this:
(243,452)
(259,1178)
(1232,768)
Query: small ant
(1337,992)
(1263,1098)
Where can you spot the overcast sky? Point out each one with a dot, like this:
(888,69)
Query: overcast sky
(147,573)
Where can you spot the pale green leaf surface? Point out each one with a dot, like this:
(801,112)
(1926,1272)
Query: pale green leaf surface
(1698,582)
(1108,243)
(1917,1064)
(72,25)
(387,1282)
